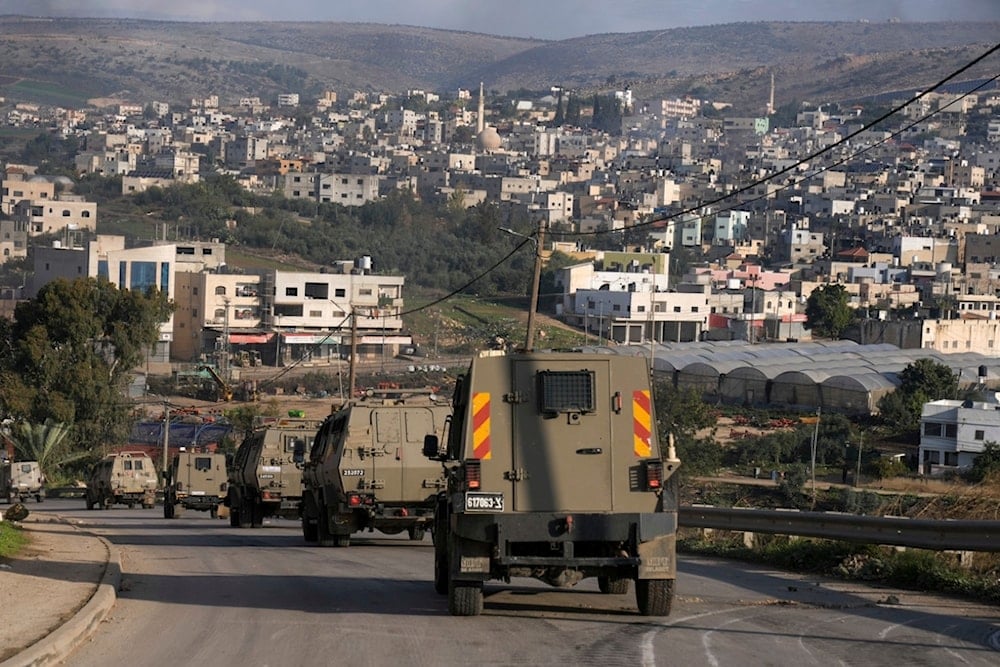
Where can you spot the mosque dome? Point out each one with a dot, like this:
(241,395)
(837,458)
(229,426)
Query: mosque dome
(488,139)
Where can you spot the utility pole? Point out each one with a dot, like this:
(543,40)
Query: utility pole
(815,438)
(529,341)
(351,372)
(166,438)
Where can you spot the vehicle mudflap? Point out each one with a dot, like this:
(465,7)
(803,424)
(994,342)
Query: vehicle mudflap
(657,559)
(470,560)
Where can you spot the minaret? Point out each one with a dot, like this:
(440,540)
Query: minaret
(481,123)
(770,102)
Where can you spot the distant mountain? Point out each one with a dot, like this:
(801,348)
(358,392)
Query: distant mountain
(71,61)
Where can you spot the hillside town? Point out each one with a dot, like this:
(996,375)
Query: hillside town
(902,213)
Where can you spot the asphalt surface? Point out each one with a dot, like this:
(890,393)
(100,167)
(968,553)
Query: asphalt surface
(56,592)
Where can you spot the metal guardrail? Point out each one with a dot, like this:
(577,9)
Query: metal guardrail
(946,535)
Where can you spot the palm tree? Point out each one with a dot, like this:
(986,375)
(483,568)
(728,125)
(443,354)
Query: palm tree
(44,443)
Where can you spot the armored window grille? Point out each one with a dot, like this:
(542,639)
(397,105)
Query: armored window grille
(202,463)
(562,391)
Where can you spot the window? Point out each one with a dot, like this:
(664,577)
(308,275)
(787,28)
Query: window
(980,434)
(562,391)
(640,309)
(951,430)
(316,313)
(143,276)
(951,459)
(316,291)
(932,428)
(138,465)
(291,291)
(202,463)
(292,440)
(340,291)
(365,291)
(127,465)
(65,213)
(220,290)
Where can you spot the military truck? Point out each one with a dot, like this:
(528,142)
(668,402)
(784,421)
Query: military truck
(366,470)
(195,481)
(265,476)
(20,480)
(124,478)
(554,472)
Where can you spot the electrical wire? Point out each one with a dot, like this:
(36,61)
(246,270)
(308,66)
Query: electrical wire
(746,188)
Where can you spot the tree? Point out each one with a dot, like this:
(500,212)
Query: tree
(69,355)
(827,311)
(987,464)
(46,443)
(922,381)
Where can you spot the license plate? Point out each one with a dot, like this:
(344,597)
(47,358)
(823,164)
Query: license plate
(483,502)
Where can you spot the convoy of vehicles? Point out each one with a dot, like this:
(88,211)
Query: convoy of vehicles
(195,481)
(554,472)
(366,470)
(124,478)
(265,477)
(20,480)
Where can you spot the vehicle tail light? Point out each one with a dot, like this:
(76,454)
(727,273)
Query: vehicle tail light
(654,475)
(180,486)
(267,495)
(353,500)
(473,473)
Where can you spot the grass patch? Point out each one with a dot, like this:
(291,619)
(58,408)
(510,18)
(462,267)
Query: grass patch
(12,539)
(47,93)
(912,569)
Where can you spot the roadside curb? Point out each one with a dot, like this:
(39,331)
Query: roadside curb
(58,644)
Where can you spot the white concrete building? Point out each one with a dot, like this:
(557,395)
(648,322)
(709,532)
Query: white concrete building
(953,433)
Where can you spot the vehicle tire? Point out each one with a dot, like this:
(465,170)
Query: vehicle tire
(90,503)
(233,500)
(256,513)
(131,505)
(310,529)
(246,518)
(341,540)
(440,572)
(213,511)
(168,510)
(654,597)
(416,533)
(613,585)
(323,535)
(38,498)
(465,598)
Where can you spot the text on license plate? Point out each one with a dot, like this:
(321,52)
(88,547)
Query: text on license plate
(483,502)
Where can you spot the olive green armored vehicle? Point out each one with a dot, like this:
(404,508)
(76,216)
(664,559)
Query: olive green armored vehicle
(366,469)
(265,476)
(195,481)
(554,472)
(20,480)
(125,478)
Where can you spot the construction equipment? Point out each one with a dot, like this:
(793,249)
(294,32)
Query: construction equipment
(225,392)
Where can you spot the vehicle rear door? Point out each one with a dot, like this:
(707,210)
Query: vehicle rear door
(561,435)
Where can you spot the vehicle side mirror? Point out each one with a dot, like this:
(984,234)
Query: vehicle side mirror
(431,447)
(299,451)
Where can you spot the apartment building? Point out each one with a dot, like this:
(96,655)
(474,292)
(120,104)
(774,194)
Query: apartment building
(17,186)
(53,216)
(953,433)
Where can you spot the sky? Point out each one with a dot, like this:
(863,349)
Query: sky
(542,19)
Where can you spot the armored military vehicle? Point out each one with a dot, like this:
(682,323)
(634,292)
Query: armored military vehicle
(125,478)
(554,472)
(265,477)
(20,480)
(366,470)
(195,481)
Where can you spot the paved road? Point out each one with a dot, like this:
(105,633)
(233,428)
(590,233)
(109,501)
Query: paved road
(199,592)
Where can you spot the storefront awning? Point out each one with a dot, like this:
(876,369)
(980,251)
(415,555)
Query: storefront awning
(249,339)
(310,339)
